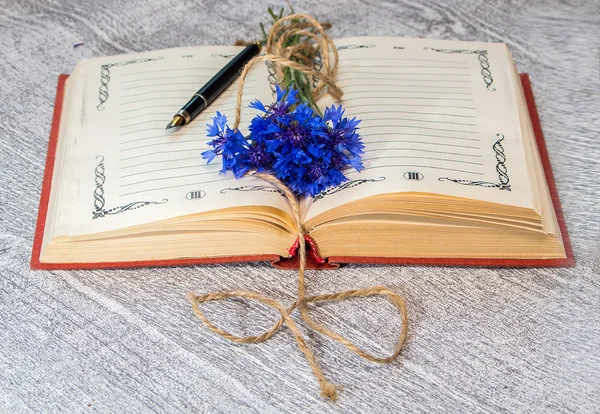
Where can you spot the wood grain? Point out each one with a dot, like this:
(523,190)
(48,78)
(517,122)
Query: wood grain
(481,340)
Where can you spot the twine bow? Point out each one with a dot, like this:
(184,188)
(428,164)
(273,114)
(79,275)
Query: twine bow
(275,52)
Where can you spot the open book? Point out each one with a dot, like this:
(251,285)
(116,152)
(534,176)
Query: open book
(453,173)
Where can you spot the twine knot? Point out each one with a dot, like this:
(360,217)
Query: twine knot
(297,56)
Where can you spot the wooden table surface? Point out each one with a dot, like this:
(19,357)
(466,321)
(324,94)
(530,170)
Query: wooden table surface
(480,340)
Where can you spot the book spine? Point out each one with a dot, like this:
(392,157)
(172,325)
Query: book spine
(313,258)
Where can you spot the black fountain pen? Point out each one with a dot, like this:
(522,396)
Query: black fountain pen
(209,92)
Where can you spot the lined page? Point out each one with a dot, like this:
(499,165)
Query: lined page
(126,169)
(433,120)
(151,159)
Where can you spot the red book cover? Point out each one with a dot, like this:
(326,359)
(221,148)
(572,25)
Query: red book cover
(314,261)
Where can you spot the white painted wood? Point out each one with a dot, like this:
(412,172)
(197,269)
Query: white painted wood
(481,340)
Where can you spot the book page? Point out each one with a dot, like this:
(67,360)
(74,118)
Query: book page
(124,168)
(437,116)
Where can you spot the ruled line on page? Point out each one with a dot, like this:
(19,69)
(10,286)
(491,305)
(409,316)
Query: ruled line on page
(413,165)
(191,90)
(410,112)
(165,77)
(183,79)
(166,114)
(172,143)
(149,180)
(175,98)
(167,117)
(181,167)
(184,176)
(173,139)
(216,69)
(169,106)
(164,135)
(146,114)
(341,71)
(201,80)
(395,133)
(349,59)
(198,130)
(403,70)
(173,106)
(408,104)
(431,121)
(181,96)
(170,82)
(140,130)
(348,84)
(228,106)
(199,126)
(187,91)
(158,136)
(229,103)
(429,98)
(250,84)
(160,128)
(195,85)
(414,127)
(401,79)
(152,153)
(343,66)
(374,70)
(165,161)
(349,91)
(167,178)
(423,142)
(177,186)
(461,154)
(422,158)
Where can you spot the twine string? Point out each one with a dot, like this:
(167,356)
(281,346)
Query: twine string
(291,56)
(288,56)
(328,390)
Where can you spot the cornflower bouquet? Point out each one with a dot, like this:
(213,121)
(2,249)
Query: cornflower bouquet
(291,139)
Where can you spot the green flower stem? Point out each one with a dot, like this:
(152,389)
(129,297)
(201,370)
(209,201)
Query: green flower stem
(291,77)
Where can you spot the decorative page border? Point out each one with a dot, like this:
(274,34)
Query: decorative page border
(369,46)
(231,56)
(105,77)
(99,201)
(345,186)
(317,66)
(482,56)
(272,77)
(503,179)
(265,188)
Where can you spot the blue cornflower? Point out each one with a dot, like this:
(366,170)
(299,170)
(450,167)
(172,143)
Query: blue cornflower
(342,134)
(289,140)
(216,129)
(226,142)
(255,158)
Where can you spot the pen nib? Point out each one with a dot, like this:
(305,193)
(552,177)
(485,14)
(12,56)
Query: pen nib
(177,121)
